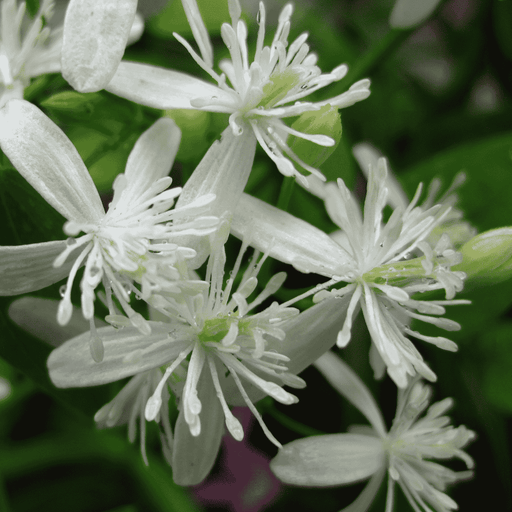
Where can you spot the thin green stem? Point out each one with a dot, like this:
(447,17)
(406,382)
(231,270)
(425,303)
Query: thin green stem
(373,57)
(293,425)
(286,193)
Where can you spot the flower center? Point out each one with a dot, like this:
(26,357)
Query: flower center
(215,329)
(278,87)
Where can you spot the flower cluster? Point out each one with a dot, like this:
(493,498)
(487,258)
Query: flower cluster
(194,327)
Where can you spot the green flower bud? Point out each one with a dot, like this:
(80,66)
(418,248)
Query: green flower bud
(73,104)
(326,121)
(487,257)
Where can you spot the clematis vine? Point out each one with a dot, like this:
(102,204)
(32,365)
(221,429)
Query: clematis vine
(28,48)
(406,452)
(126,245)
(257,95)
(376,261)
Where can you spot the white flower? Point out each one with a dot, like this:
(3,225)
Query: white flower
(120,246)
(374,259)
(209,334)
(27,49)
(257,94)
(406,452)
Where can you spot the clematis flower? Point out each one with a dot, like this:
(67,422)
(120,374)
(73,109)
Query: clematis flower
(212,350)
(374,259)
(28,48)
(257,95)
(407,452)
(125,245)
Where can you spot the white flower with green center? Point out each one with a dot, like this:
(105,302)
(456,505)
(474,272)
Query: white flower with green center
(118,246)
(228,352)
(257,94)
(373,258)
(406,452)
(27,47)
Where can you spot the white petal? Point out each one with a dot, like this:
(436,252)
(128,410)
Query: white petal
(152,156)
(95,37)
(223,171)
(162,88)
(71,365)
(334,459)
(288,238)
(346,382)
(47,159)
(38,316)
(408,13)
(27,268)
(193,456)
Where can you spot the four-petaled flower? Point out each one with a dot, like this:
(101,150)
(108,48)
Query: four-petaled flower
(406,452)
(259,94)
(131,243)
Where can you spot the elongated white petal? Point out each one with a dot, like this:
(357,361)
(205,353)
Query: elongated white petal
(348,384)
(162,88)
(38,316)
(193,456)
(127,352)
(223,171)
(27,268)
(199,30)
(152,157)
(408,13)
(363,502)
(333,459)
(95,37)
(288,238)
(47,159)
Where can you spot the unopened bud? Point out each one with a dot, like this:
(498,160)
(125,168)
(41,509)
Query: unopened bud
(326,122)
(487,257)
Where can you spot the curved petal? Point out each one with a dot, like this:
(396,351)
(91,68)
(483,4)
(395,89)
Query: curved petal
(95,37)
(288,238)
(193,457)
(47,159)
(38,316)
(223,171)
(127,352)
(27,268)
(334,459)
(162,88)
(348,384)
(364,501)
(152,157)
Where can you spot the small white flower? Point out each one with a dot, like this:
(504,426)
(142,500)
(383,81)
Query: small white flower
(120,246)
(257,94)
(209,334)
(27,48)
(406,452)
(375,259)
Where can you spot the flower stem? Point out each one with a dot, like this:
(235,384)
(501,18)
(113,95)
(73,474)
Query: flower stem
(373,57)
(293,425)
(286,193)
